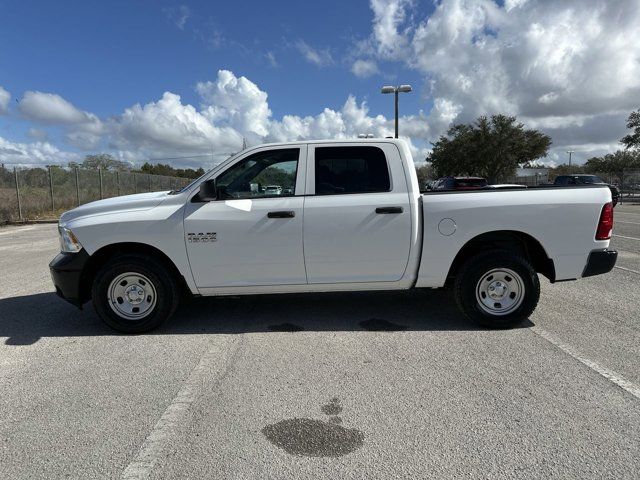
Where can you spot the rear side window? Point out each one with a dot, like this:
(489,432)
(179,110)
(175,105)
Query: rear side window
(341,170)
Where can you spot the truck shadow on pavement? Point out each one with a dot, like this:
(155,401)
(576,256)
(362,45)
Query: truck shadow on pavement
(25,320)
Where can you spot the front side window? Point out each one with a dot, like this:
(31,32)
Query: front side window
(341,170)
(271,173)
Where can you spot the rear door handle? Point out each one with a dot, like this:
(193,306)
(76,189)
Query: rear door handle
(282,214)
(389,210)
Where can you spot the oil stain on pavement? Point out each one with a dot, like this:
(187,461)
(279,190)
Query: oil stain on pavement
(315,438)
(379,325)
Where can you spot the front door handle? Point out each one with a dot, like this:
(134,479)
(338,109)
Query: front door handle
(282,214)
(389,210)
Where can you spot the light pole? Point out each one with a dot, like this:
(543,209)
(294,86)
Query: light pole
(570,152)
(395,91)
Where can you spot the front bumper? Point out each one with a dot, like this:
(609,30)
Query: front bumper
(66,273)
(599,262)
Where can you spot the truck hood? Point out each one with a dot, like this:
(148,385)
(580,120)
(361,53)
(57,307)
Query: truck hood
(140,201)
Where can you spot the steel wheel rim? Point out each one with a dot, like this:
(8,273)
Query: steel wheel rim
(132,295)
(500,291)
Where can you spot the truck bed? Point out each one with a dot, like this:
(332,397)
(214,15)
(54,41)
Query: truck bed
(562,220)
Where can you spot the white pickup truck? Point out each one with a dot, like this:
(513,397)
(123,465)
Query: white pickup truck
(348,215)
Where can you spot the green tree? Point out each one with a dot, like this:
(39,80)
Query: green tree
(425,173)
(632,141)
(615,164)
(104,161)
(168,170)
(275,176)
(491,148)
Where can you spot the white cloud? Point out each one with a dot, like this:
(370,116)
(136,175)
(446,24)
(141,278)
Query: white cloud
(364,68)
(34,153)
(37,134)
(389,30)
(53,109)
(319,57)
(232,107)
(178,15)
(4,101)
(168,125)
(85,129)
(83,140)
(348,122)
(551,63)
(235,102)
(271,58)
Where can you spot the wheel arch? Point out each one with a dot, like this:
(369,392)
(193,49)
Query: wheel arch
(522,243)
(101,256)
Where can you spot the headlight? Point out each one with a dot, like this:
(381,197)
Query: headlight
(68,241)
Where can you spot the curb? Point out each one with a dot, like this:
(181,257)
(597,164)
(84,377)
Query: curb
(13,223)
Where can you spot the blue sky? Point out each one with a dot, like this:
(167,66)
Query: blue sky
(132,52)
(147,79)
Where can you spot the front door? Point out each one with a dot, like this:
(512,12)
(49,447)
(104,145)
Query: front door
(252,234)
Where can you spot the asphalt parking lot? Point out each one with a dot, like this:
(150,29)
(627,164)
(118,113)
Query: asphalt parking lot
(362,385)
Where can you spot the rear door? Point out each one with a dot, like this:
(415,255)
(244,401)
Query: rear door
(357,219)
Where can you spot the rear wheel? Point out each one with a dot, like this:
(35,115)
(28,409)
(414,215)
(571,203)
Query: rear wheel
(497,289)
(134,293)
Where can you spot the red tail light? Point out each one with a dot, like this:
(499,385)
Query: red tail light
(605,225)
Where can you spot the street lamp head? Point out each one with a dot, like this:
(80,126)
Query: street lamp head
(396,91)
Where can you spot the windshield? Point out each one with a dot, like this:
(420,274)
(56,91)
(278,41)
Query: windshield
(189,185)
(470,183)
(193,182)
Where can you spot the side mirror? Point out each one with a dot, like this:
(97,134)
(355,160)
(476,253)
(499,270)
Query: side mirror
(208,191)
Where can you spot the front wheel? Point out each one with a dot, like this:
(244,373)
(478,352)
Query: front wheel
(497,289)
(134,293)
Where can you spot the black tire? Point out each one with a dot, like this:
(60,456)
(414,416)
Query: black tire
(468,290)
(162,281)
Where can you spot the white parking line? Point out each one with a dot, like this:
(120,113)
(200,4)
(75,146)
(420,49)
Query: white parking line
(627,269)
(210,368)
(610,375)
(628,238)
(630,223)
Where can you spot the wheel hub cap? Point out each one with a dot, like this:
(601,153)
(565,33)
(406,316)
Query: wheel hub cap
(497,290)
(500,291)
(132,296)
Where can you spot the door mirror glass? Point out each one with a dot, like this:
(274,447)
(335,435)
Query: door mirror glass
(208,191)
(221,192)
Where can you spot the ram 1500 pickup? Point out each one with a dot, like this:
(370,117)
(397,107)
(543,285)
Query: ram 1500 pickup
(347,215)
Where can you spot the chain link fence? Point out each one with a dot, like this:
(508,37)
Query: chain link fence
(628,183)
(35,193)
